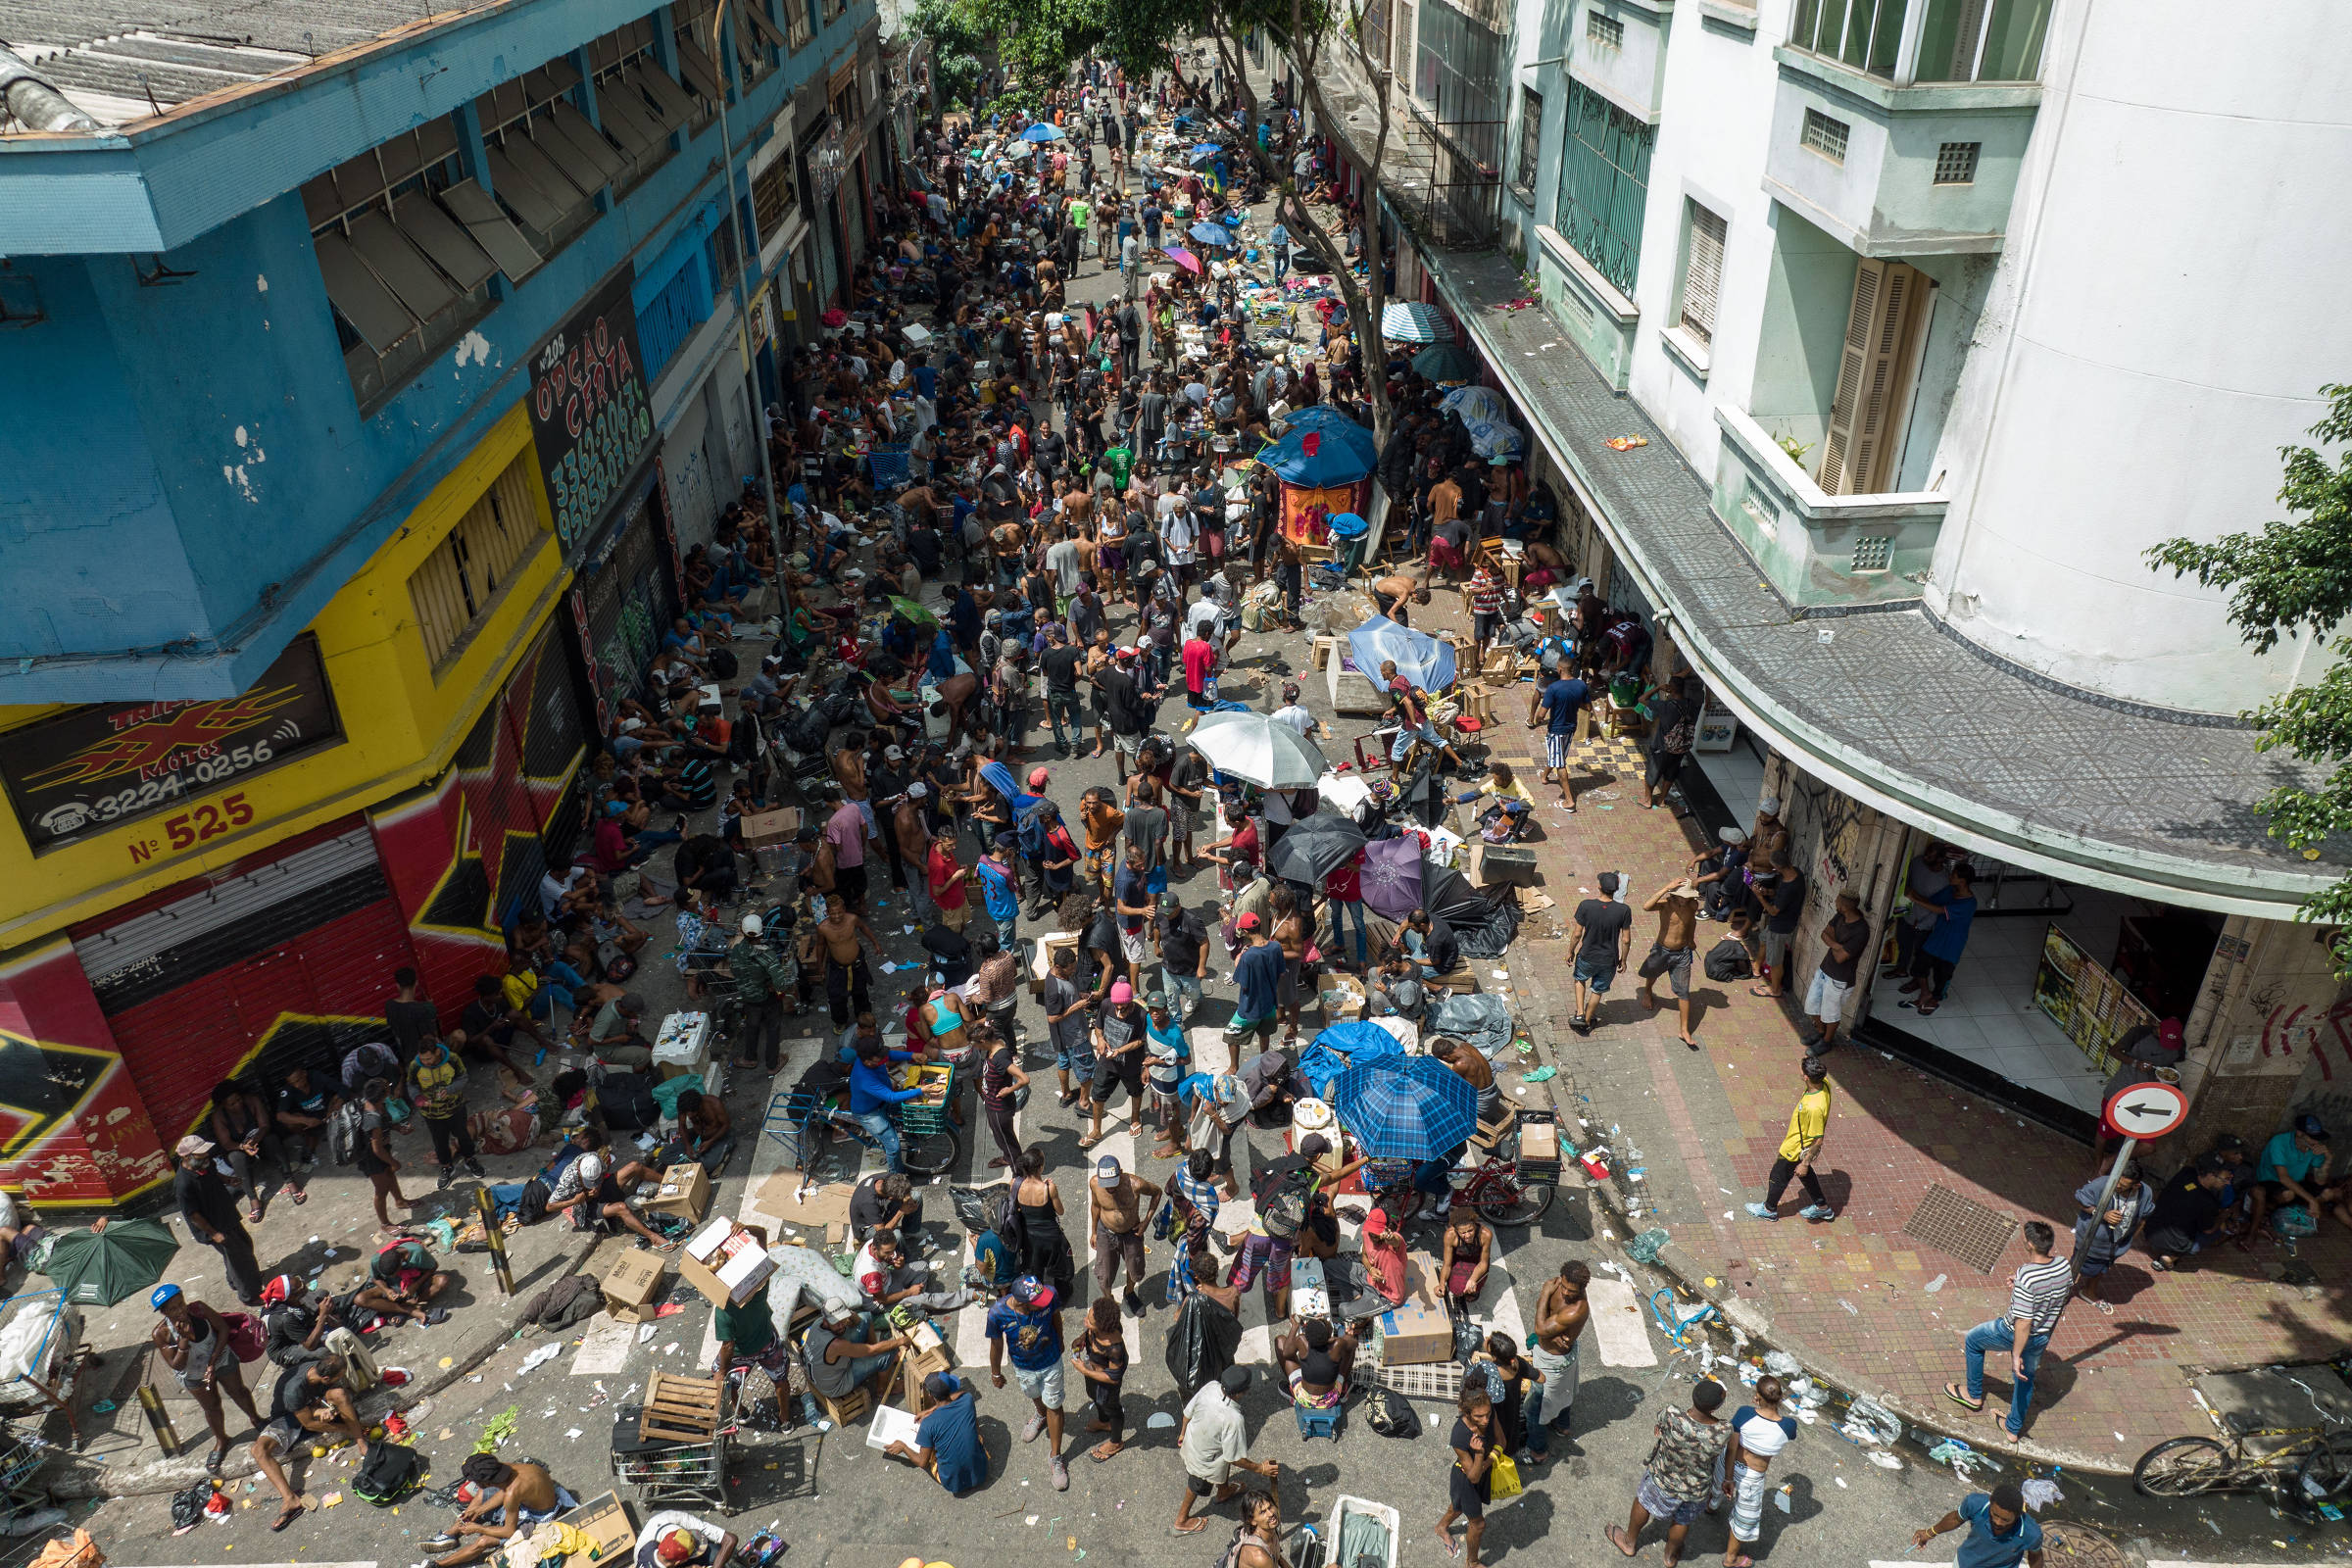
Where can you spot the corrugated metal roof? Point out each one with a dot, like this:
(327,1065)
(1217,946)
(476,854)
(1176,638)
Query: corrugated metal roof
(122,60)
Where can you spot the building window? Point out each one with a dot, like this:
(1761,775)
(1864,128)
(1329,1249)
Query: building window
(1703,274)
(1604,185)
(756,33)
(703,73)
(637,102)
(1530,137)
(1825,135)
(1458,73)
(1959,40)
(1375,32)
(1604,32)
(1956,163)
(461,581)
(775,197)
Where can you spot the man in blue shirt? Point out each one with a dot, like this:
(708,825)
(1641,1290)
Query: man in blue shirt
(2000,1532)
(1560,703)
(948,1442)
(2288,1171)
(1000,890)
(873,1099)
(1028,1323)
(1278,242)
(1258,976)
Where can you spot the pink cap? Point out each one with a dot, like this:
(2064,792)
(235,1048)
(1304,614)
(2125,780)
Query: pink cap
(1038,777)
(1121,993)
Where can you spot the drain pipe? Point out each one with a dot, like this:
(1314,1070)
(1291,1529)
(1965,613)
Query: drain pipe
(33,103)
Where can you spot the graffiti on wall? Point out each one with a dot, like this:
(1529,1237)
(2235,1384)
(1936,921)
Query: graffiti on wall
(74,1132)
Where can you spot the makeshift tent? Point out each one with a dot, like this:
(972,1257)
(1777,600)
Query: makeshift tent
(1485,416)
(1341,1046)
(1424,660)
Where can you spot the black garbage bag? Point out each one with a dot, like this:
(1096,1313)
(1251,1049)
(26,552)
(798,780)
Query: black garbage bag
(1202,1344)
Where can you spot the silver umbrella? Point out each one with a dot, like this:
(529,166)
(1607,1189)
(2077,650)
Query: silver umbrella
(1255,746)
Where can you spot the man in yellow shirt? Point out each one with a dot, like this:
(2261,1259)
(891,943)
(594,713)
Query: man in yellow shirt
(1808,1130)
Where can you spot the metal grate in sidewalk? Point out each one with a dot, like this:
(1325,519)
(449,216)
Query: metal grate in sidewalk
(1961,1228)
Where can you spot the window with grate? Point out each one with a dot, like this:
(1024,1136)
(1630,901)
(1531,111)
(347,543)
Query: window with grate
(637,102)
(759,44)
(1956,163)
(461,581)
(1702,272)
(1604,185)
(1874,551)
(1458,73)
(405,274)
(1825,135)
(1604,32)
(798,26)
(1530,137)
(1375,32)
(775,197)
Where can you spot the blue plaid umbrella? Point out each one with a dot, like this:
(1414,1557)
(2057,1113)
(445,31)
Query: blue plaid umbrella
(1411,1108)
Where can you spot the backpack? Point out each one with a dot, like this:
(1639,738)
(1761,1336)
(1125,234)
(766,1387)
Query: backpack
(722,664)
(531,1208)
(1728,960)
(1386,1414)
(1682,734)
(626,1100)
(343,1133)
(1283,1213)
(389,1472)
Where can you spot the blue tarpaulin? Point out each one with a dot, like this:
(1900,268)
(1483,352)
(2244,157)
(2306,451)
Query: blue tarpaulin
(1340,1047)
(1424,660)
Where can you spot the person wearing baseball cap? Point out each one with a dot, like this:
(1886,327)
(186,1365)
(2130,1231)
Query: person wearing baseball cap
(1027,1325)
(211,1211)
(673,1539)
(1258,976)
(2288,1171)
(1122,1205)
(193,1341)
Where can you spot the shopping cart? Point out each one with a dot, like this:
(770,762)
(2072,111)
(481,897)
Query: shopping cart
(673,1448)
(928,1140)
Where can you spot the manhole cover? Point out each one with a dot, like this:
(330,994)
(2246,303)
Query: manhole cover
(2066,1544)
(1962,1227)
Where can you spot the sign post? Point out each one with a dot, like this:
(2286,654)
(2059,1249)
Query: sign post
(2140,1112)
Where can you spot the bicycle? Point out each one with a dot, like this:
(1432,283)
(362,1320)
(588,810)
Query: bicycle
(2189,1467)
(1496,1188)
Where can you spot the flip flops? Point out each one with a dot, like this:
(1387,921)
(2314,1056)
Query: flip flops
(1951,1392)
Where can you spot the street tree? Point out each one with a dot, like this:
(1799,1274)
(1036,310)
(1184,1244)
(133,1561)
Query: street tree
(2294,578)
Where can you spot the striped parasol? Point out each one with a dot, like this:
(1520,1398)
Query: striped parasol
(1414,324)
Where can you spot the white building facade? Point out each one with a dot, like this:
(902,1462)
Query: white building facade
(1938,314)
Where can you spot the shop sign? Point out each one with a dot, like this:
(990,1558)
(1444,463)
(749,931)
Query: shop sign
(591,417)
(93,769)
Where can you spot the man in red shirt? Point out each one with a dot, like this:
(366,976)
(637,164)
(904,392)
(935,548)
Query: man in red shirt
(946,876)
(1199,669)
(1343,885)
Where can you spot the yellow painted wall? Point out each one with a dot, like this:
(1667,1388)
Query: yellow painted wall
(399,724)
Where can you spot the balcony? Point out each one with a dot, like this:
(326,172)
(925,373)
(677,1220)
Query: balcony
(1820,549)
(1899,125)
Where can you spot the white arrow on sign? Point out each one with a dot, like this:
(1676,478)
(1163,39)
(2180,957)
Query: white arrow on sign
(2147,1110)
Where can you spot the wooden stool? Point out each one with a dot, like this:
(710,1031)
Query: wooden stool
(1460,979)
(1490,1133)
(852,1409)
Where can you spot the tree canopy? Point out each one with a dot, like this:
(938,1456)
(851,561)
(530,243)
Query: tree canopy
(2294,578)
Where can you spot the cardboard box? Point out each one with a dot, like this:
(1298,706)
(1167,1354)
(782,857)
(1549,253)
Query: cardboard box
(1415,1336)
(611,1531)
(685,1192)
(1539,1141)
(764,830)
(634,1284)
(780,1196)
(1040,961)
(725,1261)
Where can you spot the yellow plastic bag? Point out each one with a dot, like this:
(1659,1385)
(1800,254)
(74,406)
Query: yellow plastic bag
(1503,1478)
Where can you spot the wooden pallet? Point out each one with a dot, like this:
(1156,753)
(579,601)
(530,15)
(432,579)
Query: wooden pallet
(681,1409)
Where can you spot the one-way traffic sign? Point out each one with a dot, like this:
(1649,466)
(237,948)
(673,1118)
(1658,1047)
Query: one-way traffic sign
(2146,1110)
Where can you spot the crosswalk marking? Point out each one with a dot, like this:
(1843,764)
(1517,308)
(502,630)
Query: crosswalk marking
(1618,1324)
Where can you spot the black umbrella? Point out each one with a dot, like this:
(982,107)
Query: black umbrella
(1315,848)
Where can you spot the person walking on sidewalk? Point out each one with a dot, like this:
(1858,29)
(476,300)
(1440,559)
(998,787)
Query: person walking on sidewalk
(2038,1296)
(1560,703)
(1759,1431)
(1029,1320)
(2000,1532)
(1844,940)
(1800,1149)
(1606,927)
(1561,1313)
(1476,1441)
(1671,953)
(1680,1474)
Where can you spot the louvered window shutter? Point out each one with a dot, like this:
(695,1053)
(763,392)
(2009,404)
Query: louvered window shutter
(1874,377)
(1702,277)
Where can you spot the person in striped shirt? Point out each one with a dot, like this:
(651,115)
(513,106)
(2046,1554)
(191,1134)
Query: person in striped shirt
(2038,1296)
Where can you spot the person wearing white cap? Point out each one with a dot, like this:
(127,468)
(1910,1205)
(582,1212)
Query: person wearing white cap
(210,1210)
(763,980)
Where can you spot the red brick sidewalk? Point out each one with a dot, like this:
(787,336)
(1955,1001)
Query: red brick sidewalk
(1877,1310)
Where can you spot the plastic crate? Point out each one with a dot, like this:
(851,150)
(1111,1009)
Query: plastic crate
(919,1119)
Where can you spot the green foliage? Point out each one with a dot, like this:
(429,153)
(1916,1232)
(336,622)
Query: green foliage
(2296,577)
(956,44)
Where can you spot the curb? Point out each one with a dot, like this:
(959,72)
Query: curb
(1688,1277)
(76,1481)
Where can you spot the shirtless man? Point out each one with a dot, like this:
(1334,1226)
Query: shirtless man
(1391,593)
(912,835)
(515,1500)
(1562,1314)
(821,876)
(848,984)
(1116,1215)
(1290,934)
(1098,662)
(849,767)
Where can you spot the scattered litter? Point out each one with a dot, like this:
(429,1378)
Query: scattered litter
(2041,1493)
(1158,1418)
(1871,1423)
(1885,1460)
(1935,1285)
(540,1358)
(1849,1306)
(1779,1498)
(644,1334)
(448,1362)
(574,1435)
(333,1500)
(1841,1480)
